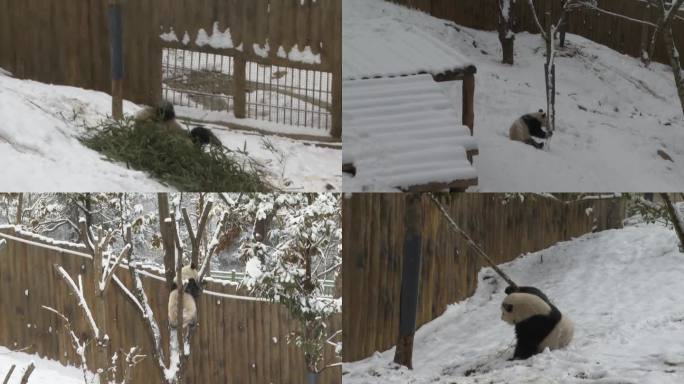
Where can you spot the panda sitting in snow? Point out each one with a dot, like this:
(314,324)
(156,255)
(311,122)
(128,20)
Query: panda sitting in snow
(165,114)
(538,323)
(530,125)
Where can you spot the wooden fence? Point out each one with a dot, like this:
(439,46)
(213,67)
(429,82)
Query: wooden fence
(619,34)
(239,339)
(373,226)
(67,41)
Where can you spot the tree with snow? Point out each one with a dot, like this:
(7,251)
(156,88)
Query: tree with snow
(506,34)
(287,261)
(548,33)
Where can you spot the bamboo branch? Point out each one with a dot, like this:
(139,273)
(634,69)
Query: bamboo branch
(470,241)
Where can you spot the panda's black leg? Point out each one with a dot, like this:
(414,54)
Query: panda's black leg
(534,143)
(524,351)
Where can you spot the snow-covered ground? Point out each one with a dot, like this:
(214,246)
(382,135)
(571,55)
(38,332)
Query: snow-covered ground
(46,371)
(622,288)
(39,148)
(613,115)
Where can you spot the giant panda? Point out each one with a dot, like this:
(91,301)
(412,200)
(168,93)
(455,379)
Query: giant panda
(529,125)
(165,113)
(538,323)
(191,292)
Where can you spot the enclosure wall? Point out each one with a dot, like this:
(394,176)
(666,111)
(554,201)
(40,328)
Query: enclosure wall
(622,35)
(373,226)
(239,340)
(67,41)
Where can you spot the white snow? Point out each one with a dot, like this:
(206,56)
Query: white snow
(613,115)
(376,45)
(403,132)
(39,137)
(292,165)
(622,288)
(39,149)
(46,371)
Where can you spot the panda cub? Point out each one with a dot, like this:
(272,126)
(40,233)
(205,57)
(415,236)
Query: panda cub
(165,113)
(528,126)
(538,323)
(191,292)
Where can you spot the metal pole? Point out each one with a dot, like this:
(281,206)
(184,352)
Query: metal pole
(116,41)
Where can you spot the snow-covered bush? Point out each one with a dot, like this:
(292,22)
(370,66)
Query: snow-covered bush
(301,247)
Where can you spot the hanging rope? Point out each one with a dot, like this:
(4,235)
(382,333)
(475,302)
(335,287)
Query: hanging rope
(472,243)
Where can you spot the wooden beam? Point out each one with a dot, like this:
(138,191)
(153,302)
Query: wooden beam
(468,113)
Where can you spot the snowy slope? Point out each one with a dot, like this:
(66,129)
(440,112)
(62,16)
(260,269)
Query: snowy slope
(39,150)
(614,115)
(622,288)
(40,124)
(46,371)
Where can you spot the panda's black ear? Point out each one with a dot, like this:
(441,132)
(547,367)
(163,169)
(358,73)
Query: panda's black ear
(193,265)
(541,111)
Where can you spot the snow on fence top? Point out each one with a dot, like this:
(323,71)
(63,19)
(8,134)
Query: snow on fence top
(403,132)
(391,48)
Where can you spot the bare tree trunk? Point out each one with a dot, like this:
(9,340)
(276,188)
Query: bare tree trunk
(167,239)
(506,35)
(675,62)
(27,373)
(20,208)
(9,374)
(410,281)
(676,218)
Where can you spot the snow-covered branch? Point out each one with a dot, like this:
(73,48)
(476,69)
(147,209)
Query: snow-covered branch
(213,246)
(111,269)
(78,292)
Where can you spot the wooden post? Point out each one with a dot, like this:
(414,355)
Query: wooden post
(336,131)
(239,88)
(468,113)
(410,280)
(116,42)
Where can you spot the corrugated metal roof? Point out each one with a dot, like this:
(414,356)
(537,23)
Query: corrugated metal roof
(403,132)
(390,48)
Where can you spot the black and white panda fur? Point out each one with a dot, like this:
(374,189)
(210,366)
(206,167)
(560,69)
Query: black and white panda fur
(538,323)
(528,126)
(191,292)
(166,114)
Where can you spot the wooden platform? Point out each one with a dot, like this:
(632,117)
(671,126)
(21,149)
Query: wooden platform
(403,132)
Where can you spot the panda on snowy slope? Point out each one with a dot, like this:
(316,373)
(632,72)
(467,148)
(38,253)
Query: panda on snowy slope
(538,323)
(192,291)
(530,125)
(166,114)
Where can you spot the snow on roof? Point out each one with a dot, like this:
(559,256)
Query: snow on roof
(403,132)
(390,48)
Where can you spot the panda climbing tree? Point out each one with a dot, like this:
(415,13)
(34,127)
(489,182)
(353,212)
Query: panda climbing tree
(184,283)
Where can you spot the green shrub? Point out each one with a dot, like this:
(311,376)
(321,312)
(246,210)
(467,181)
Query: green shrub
(174,159)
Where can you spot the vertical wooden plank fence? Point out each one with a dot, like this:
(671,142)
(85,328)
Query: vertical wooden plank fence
(67,41)
(373,226)
(239,340)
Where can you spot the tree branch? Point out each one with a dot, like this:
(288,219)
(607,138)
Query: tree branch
(81,300)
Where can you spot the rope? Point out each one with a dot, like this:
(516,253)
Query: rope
(470,241)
